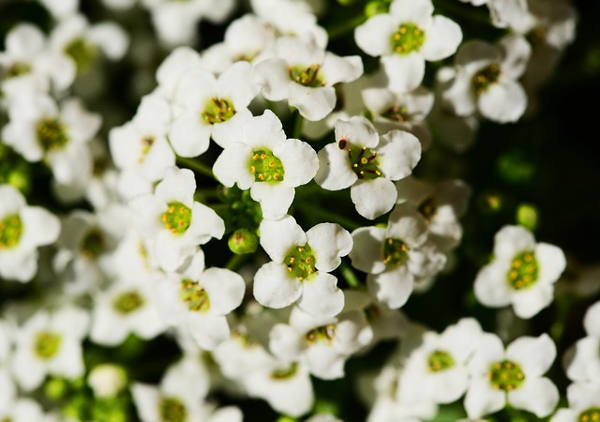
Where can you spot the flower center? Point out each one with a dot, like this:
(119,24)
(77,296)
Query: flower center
(16,69)
(309,76)
(172,410)
(506,375)
(408,38)
(395,252)
(363,160)
(93,243)
(265,166)
(428,209)
(11,229)
(177,218)
(285,373)
(51,134)
(218,110)
(485,78)
(82,52)
(397,113)
(47,344)
(194,295)
(300,262)
(440,360)
(128,302)
(147,142)
(523,271)
(324,333)
(589,415)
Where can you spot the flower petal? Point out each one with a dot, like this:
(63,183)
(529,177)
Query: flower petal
(278,236)
(312,103)
(538,395)
(367,252)
(399,153)
(534,354)
(374,36)
(405,73)
(443,38)
(330,242)
(225,289)
(373,198)
(321,297)
(273,286)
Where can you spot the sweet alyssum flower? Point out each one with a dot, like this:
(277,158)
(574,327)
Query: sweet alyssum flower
(522,272)
(406,37)
(300,266)
(127,307)
(173,222)
(206,107)
(323,344)
(22,230)
(140,148)
(50,343)
(200,299)
(486,79)
(27,63)
(396,257)
(368,163)
(584,404)
(263,160)
(513,376)
(584,365)
(304,74)
(437,370)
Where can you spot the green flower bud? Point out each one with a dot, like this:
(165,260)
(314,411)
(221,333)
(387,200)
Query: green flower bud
(243,241)
(55,388)
(375,7)
(527,216)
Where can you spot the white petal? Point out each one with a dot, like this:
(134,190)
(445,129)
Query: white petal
(399,153)
(591,322)
(551,262)
(341,69)
(232,166)
(358,130)
(442,39)
(482,399)
(299,161)
(374,36)
(278,236)
(275,79)
(189,136)
(264,131)
(24,41)
(451,385)
(405,73)
(40,227)
(517,52)
(367,252)
(538,395)
(393,288)
(489,350)
(491,286)
(529,302)
(178,185)
(209,331)
(535,354)
(416,11)
(111,38)
(312,103)
(321,297)
(334,171)
(460,95)
(503,102)
(329,241)
(147,400)
(511,240)
(274,287)
(206,223)
(373,198)
(275,199)
(230,131)
(236,83)
(225,289)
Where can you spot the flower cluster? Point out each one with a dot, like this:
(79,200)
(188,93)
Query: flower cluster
(253,223)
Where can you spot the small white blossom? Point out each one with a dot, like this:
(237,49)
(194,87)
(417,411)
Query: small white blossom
(584,404)
(368,164)
(584,364)
(522,273)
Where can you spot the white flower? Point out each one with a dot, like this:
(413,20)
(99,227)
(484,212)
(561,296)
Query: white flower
(61,9)
(584,404)
(50,343)
(127,307)
(584,365)
(200,299)
(368,163)
(437,369)
(28,63)
(405,38)
(210,107)
(263,160)
(40,130)
(407,111)
(286,386)
(172,69)
(304,74)
(514,376)
(22,230)
(24,410)
(396,257)
(173,222)
(246,39)
(300,267)
(522,273)
(82,42)
(323,344)
(486,79)
(140,145)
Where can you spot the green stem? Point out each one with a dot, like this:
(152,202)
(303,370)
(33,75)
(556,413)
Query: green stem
(236,261)
(340,30)
(297,125)
(350,276)
(314,211)
(197,166)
